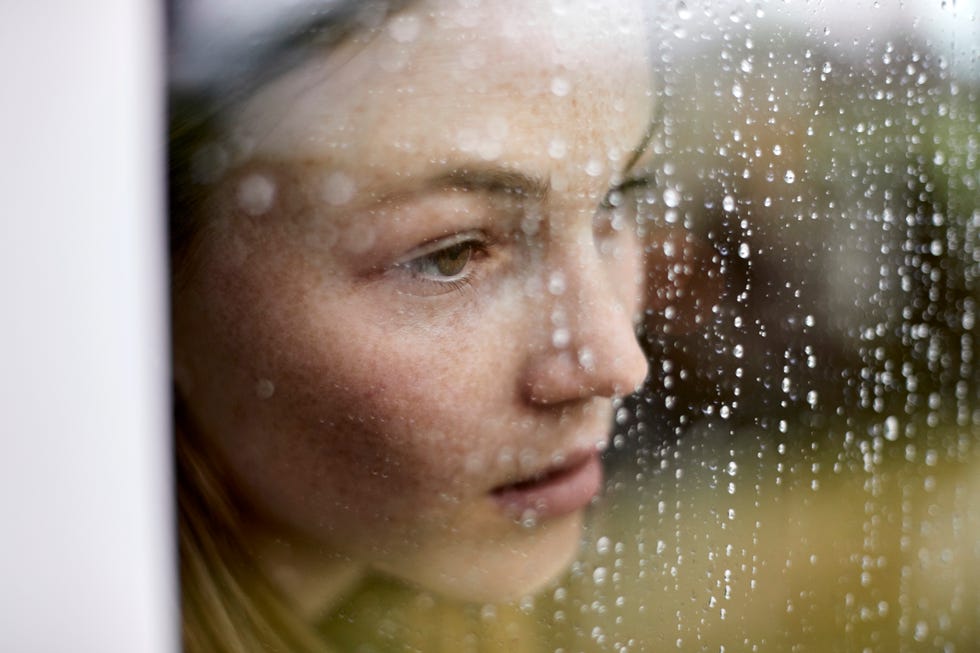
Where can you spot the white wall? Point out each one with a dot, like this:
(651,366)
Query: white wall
(86,541)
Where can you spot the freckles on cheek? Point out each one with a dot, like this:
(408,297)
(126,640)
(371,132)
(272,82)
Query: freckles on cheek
(372,432)
(340,473)
(432,400)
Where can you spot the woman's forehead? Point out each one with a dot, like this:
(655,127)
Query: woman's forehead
(480,71)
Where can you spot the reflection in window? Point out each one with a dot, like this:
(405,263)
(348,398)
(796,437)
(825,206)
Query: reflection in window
(800,471)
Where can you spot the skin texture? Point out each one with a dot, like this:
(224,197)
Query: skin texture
(365,403)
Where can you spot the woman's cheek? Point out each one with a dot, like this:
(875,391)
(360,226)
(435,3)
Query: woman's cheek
(414,411)
(334,376)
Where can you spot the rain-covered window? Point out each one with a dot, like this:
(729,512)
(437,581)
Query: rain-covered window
(424,252)
(802,472)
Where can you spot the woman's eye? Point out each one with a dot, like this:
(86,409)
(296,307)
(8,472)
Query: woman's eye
(447,262)
(445,265)
(628,191)
(619,211)
(617,220)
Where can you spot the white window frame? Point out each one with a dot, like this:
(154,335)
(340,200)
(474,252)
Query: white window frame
(88,556)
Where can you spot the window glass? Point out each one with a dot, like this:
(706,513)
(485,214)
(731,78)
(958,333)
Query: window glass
(424,252)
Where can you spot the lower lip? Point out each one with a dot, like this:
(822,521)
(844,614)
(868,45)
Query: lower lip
(561,493)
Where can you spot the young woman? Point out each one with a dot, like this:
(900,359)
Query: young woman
(407,272)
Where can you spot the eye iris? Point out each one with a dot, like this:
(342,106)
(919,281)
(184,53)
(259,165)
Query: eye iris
(450,262)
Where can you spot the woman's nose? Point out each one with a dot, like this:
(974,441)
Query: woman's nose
(588,344)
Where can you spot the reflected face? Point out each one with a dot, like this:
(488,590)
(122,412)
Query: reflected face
(414,302)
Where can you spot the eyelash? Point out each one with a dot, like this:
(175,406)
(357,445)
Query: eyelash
(475,245)
(628,200)
(633,185)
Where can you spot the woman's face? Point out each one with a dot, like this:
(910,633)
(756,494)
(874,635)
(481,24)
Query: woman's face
(414,293)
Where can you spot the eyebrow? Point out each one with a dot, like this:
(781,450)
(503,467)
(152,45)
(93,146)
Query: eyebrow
(493,180)
(502,181)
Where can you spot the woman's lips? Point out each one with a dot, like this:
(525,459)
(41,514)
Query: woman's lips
(555,492)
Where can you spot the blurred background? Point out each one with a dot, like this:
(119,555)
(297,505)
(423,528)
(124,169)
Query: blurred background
(805,463)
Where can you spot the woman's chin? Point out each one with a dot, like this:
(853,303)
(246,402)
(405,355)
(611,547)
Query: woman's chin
(497,571)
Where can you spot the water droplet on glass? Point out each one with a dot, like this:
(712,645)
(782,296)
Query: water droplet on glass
(921,631)
(602,545)
(557,148)
(488,612)
(594,167)
(891,428)
(489,149)
(586,359)
(599,575)
(404,28)
(622,415)
(556,283)
(264,388)
(560,86)
(256,193)
(338,189)
(560,338)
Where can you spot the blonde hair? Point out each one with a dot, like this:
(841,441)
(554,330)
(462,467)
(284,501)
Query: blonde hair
(226,602)
(227,605)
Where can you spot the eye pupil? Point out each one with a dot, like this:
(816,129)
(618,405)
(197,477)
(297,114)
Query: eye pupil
(451,261)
